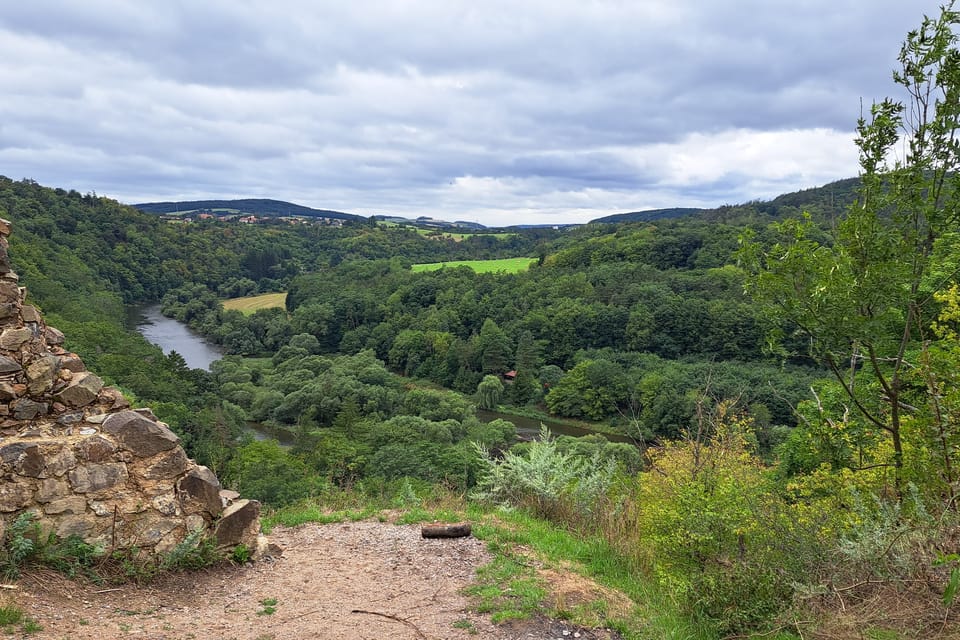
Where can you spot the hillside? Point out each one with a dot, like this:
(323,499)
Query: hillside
(829,200)
(649,215)
(250,206)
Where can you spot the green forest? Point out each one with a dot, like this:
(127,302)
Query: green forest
(783,374)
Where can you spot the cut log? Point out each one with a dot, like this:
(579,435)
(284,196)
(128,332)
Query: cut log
(441,530)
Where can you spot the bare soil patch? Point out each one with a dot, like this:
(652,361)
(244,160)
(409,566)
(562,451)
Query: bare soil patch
(350,581)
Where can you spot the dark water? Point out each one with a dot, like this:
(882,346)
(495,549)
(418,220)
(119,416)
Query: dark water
(172,335)
(259,431)
(529,428)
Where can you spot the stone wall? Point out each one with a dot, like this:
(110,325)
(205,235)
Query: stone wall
(74,453)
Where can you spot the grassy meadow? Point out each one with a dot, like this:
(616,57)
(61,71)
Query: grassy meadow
(503,265)
(251,304)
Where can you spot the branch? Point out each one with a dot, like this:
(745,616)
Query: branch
(415,628)
(863,410)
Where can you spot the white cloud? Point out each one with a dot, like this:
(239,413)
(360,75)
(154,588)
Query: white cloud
(497,111)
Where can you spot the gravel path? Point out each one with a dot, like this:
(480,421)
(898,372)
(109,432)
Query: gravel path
(351,581)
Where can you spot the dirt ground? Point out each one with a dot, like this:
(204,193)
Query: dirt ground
(349,581)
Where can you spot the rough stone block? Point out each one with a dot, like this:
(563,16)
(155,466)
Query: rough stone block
(73,505)
(53,336)
(59,460)
(29,313)
(97,477)
(149,528)
(25,458)
(166,504)
(239,524)
(70,418)
(141,436)
(15,495)
(200,491)
(10,453)
(27,409)
(7,392)
(166,465)
(51,489)
(83,525)
(72,362)
(9,291)
(81,391)
(41,374)
(9,365)
(12,339)
(96,448)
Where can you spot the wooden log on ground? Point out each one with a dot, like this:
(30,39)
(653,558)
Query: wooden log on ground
(443,530)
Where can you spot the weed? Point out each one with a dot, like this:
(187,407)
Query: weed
(10,614)
(466,625)
(195,552)
(240,554)
(269,607)
(20,544)
(31,626)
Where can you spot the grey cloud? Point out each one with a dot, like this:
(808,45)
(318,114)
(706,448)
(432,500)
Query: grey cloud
(374,104)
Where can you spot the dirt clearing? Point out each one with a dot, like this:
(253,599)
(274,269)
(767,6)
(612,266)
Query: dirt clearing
(350,581)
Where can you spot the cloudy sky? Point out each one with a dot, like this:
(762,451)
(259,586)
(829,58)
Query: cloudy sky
(501,112)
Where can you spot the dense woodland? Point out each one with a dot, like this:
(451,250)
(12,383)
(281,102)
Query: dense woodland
(786,369)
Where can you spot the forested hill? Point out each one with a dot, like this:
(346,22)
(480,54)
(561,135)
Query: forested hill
(251,206)
(828,201)
(649,215)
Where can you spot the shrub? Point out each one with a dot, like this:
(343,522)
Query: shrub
(547,481)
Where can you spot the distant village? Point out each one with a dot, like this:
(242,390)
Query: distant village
(201,215)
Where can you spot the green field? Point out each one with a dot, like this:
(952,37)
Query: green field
(247,306)
(504,265)
(460,237)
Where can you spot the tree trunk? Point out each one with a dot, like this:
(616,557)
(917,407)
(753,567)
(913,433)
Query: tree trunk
(439,530)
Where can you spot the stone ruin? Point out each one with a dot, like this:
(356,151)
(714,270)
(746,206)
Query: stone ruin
(75,455)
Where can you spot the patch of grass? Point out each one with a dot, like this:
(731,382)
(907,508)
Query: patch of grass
(241,554)
(508,588)
(10,614)
(653,614)
(466,625)
(31,626)
(503,265)
(268,607)
(251,304)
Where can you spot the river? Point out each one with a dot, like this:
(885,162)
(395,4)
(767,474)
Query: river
(529,428)
(172,335)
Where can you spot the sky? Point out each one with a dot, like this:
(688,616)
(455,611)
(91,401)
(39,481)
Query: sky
(490,111)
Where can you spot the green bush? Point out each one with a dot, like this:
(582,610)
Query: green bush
(546,480)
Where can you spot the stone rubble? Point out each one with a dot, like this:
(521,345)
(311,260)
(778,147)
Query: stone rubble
(75,455)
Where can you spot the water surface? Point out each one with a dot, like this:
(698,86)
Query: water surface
(172,335)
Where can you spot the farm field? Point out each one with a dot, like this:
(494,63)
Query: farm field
(251,304)
(458,236)
(503,265)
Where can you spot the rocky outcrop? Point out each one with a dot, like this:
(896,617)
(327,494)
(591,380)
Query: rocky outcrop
(74,453)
